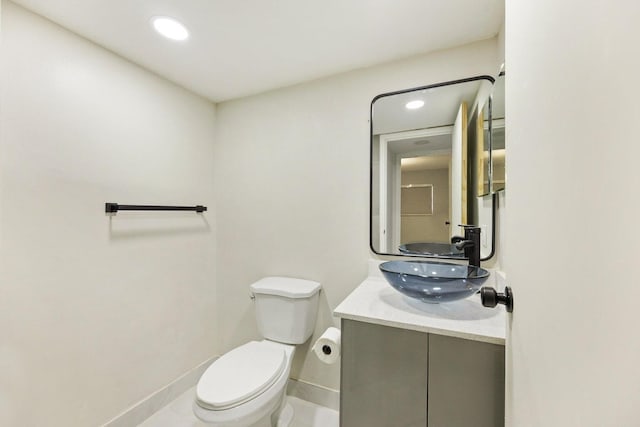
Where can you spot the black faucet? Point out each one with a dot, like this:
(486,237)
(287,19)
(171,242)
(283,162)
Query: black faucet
(470,243)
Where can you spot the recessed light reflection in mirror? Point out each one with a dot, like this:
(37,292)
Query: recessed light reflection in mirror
(414,105)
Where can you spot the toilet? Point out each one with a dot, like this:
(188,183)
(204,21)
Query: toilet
(246,387)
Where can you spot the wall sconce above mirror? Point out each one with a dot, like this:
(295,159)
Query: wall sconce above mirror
(436,163)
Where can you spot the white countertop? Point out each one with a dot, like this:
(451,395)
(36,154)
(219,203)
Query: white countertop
(375,301)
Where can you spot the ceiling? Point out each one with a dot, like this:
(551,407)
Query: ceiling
(423,153)
(425,163)
(441,105)
(243,47)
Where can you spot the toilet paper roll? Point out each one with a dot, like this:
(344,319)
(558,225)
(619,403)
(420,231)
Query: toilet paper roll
(327,347)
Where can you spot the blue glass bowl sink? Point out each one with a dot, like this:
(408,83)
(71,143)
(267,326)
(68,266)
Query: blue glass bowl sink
(436,249)
(434,282)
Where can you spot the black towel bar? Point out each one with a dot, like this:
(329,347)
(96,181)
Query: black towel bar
(114,207)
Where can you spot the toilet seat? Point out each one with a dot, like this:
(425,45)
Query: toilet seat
(240,375)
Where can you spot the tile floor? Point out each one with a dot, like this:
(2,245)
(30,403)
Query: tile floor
(179,414)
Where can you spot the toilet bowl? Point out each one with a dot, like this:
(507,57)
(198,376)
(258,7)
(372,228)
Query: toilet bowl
(246,387)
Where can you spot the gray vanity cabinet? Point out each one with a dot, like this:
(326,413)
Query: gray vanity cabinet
(383,377)
(466,383)
(393,377)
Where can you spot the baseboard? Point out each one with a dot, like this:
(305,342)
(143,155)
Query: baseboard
(142,410)
(313,393)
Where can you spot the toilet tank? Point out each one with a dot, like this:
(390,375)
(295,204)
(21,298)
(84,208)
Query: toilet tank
(286,308)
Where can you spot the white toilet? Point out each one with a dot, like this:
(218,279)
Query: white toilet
(246,387)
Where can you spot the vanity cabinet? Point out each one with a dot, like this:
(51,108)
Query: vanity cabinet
(394,377)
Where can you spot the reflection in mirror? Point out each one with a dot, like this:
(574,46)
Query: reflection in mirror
(498,153)
(481,131)
(431,168)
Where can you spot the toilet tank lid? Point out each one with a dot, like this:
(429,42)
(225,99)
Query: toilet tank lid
(286,287)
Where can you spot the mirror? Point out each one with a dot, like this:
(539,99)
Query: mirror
(432,163)
(498,152)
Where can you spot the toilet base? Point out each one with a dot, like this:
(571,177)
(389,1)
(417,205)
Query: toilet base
(280,418)
(283,419)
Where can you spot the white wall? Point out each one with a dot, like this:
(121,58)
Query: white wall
(292,180)
(97,312)
(572,112)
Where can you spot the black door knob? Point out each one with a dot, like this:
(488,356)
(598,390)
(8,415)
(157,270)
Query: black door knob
(491,298)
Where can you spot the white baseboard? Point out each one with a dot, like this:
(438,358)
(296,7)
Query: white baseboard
(142,410)
(313,393)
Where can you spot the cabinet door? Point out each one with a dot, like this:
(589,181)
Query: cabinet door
(383,376)
(466,383)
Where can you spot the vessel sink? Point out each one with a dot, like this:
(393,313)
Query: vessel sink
(437,249)
(434,282)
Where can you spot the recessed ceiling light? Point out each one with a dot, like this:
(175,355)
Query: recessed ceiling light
(170,28)
(414,105)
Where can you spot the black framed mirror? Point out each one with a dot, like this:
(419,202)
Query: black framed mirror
(430,168)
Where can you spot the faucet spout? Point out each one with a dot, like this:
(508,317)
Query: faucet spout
(463,244)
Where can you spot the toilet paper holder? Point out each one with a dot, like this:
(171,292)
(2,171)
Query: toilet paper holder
(327,347)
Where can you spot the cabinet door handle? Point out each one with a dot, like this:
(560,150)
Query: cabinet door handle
(491,298)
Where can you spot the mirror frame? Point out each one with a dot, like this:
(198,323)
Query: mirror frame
(494,196)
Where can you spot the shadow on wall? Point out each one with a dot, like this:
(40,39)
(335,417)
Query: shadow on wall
(304,354)
(240,333)
(144,225)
